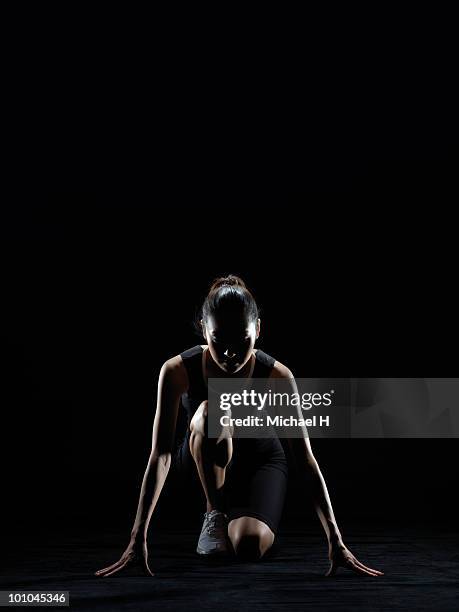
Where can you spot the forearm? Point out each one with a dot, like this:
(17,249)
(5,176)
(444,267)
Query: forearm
(309,470)
(153,482)
(322,503)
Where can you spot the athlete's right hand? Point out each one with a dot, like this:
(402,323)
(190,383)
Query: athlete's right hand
(135,556)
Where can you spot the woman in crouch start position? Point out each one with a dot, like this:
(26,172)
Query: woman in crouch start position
(244,480)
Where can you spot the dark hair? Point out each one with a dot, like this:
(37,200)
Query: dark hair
(229,293)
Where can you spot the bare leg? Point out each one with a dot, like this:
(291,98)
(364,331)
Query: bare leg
(250,537)
(211,456)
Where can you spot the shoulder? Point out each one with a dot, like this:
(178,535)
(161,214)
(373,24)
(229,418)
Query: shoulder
(281,371)
(174,364)
(278,369)
(173,371)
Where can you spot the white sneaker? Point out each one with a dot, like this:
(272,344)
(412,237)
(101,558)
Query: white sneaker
(213,538)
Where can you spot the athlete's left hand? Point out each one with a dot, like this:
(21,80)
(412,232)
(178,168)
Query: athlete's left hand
(341,556)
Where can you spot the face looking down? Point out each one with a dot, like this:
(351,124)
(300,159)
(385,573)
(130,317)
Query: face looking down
(230,340)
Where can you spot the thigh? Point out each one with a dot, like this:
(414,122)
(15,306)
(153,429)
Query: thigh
(257,490)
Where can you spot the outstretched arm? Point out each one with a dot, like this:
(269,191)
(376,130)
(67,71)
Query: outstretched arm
(172,383)
(339,554)
(309,468)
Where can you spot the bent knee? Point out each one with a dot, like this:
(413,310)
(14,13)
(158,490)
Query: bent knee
(250,538)
(220,449)
(198,423)
(220,452)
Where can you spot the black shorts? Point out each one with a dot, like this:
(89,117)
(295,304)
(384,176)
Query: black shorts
(256,478)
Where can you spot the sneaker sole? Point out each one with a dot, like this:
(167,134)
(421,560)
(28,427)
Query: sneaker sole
(211,553)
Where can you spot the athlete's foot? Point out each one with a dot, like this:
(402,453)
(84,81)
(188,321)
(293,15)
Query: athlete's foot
(213,539)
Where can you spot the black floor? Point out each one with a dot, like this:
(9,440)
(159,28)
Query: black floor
(421,568)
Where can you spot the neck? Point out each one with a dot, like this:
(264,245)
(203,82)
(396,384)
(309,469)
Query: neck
(213,371)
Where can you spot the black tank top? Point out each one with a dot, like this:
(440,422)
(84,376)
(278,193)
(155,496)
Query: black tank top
(246,449)
(197,390)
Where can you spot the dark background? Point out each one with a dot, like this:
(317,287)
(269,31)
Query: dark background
(330,188)
(101,288)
